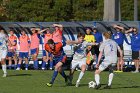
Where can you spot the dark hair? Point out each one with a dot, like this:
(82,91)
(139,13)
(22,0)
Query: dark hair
(80,35)
(50,41)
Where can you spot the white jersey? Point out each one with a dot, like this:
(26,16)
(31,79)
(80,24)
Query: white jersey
(80,51)
(3,40)
(109,48)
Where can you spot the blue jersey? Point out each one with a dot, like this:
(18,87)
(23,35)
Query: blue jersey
(135,42)
(98,37)
(119,38)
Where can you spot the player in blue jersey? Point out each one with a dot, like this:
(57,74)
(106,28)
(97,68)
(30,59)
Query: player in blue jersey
(119,37)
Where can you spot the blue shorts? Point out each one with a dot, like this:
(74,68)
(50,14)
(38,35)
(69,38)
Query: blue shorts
(61,58)
(10,54)
(23,54)
(34,51)
(44,53)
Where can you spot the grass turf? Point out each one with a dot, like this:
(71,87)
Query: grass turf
(32,81)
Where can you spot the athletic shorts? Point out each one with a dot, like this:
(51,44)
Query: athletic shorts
(44,53)
(34,51)
(61,58)
(78,63)
(135,55)
(105,64)
(121,47)
(3,54)
(23,55)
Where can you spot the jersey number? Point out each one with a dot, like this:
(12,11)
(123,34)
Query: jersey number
(111,46)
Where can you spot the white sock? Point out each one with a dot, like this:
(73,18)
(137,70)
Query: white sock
(110,79)
(97,79)
(80,76)
(4,69)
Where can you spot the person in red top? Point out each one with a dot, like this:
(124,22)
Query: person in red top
(60,58)
(12,49)
(35,41)
(45,33)
(24,43)
(58,33)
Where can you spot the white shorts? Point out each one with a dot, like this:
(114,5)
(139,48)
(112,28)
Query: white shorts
(78,63)
(105,64)
(3,54)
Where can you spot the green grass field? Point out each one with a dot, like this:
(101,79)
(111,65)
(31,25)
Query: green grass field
(34,82)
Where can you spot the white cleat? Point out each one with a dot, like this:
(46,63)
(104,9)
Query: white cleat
(77,84)
(43,68)
(18,68)
(4,75)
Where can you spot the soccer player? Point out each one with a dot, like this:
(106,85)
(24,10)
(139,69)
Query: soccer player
(60,58)
(90,49)
(46,55)
(109,49)
(135,46)
(24,43)
(12,49)
(3,51)
(58,33)
(34,48)
(119,37)
(79,58)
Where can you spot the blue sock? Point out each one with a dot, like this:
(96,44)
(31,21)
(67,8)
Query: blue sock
(18,65)
(26,65)
(54,76)
(51,64)
(36,64)
(10,67)
(63,74)
(15,66)
(43,64)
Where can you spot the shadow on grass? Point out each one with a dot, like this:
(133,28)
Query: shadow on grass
(19,75)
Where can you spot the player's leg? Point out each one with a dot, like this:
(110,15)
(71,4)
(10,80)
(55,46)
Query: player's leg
(83,69)
(26,60)
(34,53)
(51,61)
(3,63)
(45,60)
(15,60)
(21,56)
(111,75)
(10,62)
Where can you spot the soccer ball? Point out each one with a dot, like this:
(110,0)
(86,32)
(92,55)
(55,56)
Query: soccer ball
(91,84)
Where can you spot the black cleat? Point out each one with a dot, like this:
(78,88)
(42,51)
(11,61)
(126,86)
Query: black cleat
(97,86)
(107,87)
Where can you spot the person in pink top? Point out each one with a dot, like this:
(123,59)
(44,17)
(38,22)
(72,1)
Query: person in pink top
(58,33)
(24,43)
(12,49)
(46,55)
(34,48)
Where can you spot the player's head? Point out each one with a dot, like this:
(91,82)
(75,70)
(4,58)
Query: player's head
(51,43)
(81,37)
(107,35)
(47,30)
(33,30)
(88,31)
(11,32)
(94,30)
(135,30)
(23,32)
(1,31)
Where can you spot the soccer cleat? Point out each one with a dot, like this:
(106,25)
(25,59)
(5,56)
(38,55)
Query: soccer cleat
(107,87)
(49,84)
(135,71)
(4,75)
(43,68)
(77,84)
(18,68)
(97,86)
(51,69)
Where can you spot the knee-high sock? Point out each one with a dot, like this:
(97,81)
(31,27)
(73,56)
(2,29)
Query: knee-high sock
(63,74)
(97,79)
(26,65)
(51,64)
(43,64)
(80,76)
(110,79)
(55,73)
(36,64)
(4,68)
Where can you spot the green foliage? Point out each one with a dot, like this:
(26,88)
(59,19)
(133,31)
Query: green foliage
(62,10)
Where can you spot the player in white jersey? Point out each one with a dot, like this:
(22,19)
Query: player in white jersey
(3,51)
(109,49)
(79,58)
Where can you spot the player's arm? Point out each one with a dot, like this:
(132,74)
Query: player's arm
(70,42)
